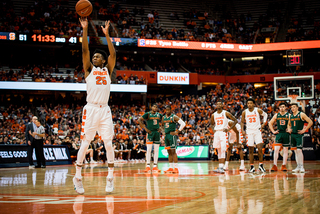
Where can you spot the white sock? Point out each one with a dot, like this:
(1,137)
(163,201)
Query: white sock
(170,165)
(221,165)
(91,158)
(110,172)
(242,162)
(176,165)
(300,157)
(276,155)
(78,172)
(155,153)
(226,163)
(149,148)
(297,157)
(285,155)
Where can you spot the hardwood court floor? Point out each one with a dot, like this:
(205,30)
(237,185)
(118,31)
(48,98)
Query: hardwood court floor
(195,190)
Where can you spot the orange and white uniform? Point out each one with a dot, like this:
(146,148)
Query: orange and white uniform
(253,125)
(220,137)
(96,115)
(232,134)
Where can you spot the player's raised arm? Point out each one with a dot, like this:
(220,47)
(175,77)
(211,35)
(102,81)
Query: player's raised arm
(243,120)
(112,51)
(271,122)
(212,123)
(310,123)
(181,122)
(265,117)
(230,116)
(87,66)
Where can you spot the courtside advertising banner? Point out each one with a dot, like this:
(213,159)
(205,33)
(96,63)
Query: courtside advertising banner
(212,46)
(173,78)
(19,154)
(187,152)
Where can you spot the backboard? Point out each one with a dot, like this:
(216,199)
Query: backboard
(302,86)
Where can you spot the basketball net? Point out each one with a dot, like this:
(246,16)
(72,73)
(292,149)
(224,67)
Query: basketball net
(293,98)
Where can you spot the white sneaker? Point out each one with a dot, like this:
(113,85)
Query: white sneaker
(78,187)
(302,169)
(242,168)
(31,167)
(109,187)
(93,161)
(86,162)
(296,169)
(225,167)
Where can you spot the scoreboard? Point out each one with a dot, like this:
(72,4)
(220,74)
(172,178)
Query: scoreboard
(294,58)
(38,38)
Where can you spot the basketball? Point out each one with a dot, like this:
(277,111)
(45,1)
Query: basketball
(84,8)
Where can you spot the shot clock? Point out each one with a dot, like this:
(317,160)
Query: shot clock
(294,57)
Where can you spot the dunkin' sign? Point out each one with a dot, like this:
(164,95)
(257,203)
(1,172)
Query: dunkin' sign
(173,78)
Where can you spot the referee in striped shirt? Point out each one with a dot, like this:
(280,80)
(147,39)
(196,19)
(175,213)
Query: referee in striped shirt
(38,136)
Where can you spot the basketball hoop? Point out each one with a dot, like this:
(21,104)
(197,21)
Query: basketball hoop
(293,98)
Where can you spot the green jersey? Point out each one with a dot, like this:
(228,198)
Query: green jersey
(296,123)
(169,124)
(282,122)
(153,120)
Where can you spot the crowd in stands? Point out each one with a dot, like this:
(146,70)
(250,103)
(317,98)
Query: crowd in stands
(306,26)
(63,122)
(42,73)
(54,17)
(50,17)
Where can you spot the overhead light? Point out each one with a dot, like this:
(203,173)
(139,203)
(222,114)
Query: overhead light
(251,58)
(172,54)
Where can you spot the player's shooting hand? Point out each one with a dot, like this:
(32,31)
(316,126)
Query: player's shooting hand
(301,131)
(105,29)
(84,22)
(275,132)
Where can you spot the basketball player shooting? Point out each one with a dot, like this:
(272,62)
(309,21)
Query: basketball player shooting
(96,113)
(251,116)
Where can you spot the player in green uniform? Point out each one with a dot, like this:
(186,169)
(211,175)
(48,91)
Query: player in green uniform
(153,119)
(169,122)
(297,130)
(282,136)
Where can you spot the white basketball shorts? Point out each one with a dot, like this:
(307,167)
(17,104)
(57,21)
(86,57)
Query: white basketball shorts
(96,118)
(220,140)
(254,137)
